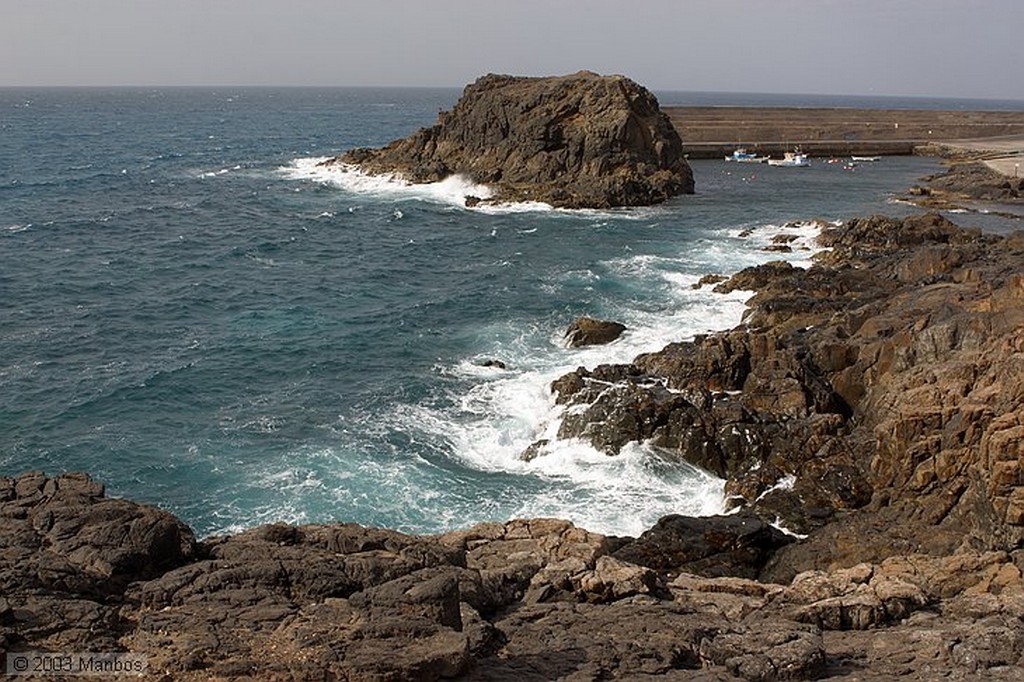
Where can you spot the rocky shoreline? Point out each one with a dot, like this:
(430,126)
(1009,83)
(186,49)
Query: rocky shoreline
(868,417)
(872,404)
(965,184)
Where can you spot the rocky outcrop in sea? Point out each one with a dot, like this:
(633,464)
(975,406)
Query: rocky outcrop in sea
(577,141)
(867,415)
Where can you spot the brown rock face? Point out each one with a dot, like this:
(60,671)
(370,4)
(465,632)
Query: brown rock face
(577,141)
(737,545)
(883,386)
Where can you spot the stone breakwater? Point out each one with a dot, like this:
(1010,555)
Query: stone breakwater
(873,403)
(711,132)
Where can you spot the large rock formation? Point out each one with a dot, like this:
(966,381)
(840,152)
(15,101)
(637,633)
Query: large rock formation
(576,141)
(523,600)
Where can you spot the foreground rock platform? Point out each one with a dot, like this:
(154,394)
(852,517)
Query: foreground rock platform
(577,141)
(523,600)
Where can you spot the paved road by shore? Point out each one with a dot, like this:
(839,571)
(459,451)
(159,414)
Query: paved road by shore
(1004,155)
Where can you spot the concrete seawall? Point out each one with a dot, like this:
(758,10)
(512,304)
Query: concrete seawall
(713,132)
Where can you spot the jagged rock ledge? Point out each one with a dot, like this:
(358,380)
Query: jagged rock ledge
(964,184)
(577,141)
(884,386)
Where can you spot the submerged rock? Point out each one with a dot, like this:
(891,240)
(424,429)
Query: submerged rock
(577,141)
(586,331)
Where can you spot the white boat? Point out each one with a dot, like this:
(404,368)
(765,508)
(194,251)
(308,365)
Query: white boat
(865,158)
(743,156)
(796,159)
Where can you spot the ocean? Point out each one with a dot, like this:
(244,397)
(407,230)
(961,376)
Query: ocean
(202,318)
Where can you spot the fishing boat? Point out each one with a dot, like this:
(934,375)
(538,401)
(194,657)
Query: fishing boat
(743,156)
(794,159)
(865,158)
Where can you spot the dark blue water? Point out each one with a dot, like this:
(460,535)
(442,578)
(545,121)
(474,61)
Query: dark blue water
(193,313)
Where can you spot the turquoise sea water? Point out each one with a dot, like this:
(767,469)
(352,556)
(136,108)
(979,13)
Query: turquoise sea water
(197,315)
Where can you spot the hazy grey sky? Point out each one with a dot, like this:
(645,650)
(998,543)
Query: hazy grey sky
(956,48)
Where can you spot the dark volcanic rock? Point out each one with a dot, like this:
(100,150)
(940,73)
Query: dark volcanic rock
(63,533)
(586,331)
(67,554)
(756,277)
(736,545)
(525,600)
(576,141)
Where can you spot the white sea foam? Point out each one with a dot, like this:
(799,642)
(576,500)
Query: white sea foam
(506,410)
(801,237)
(777,525)
(219,172)
(454,190)
(517,207)
(621,495)
(785,483)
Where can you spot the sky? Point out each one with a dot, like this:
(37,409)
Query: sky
(931,48)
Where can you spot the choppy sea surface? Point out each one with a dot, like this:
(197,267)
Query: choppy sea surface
(201,317)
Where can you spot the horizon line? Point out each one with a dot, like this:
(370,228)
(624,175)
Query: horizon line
(296,86)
